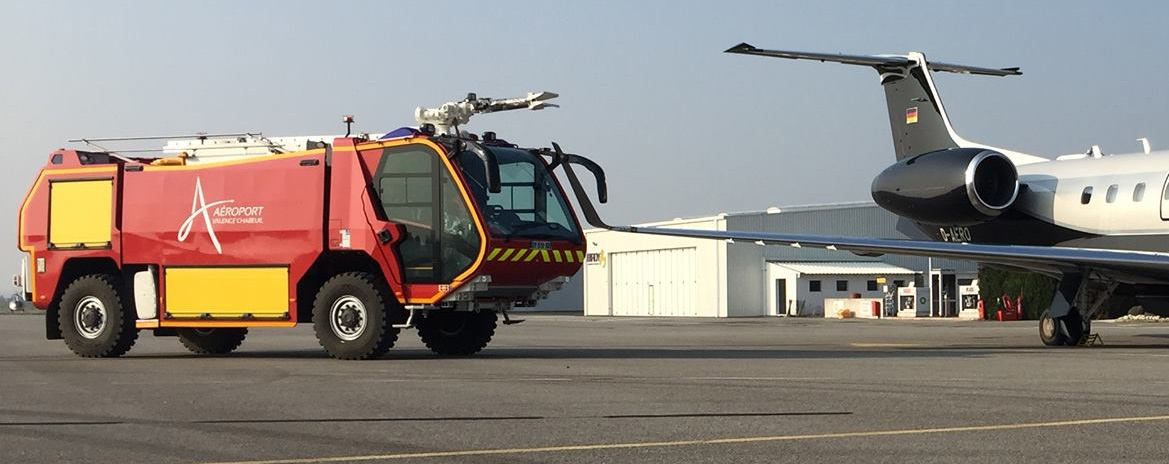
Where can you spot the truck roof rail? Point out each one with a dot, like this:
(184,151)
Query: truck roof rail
(197,135)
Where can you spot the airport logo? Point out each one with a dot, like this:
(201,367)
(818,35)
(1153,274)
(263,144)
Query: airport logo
(217,212)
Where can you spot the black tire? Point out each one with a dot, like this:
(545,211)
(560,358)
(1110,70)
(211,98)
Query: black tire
(353,316)
(1051,330)
(93,318)
(457,333)
(1076,326)
(212,341)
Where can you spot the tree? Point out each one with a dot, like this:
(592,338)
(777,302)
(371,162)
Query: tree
(1037,290)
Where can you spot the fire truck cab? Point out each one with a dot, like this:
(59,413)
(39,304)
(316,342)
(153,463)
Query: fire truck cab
(429,227)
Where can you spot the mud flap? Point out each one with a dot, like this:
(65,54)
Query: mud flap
(52,328)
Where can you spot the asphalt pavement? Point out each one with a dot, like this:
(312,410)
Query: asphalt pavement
(569,389)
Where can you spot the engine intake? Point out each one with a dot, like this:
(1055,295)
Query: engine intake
(958,186)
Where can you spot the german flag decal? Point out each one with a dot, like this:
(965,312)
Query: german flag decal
(911,115)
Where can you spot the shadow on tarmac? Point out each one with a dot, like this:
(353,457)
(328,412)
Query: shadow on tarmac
(627,353)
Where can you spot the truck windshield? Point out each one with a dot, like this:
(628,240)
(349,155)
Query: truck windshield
(529,204)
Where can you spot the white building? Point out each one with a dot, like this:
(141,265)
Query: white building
(650,275)
(800,288)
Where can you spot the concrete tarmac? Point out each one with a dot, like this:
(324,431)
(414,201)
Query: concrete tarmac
(567,389)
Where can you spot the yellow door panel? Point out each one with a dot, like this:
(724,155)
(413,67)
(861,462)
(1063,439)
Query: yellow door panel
(81,213)
(227,292)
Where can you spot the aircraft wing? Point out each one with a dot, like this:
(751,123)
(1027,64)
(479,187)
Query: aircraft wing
(1050,260)
(1040,258)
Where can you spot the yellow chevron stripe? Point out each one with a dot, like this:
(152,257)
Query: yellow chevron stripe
(556,255)
(532,256)
(507,253)
(519,255)
(568,255)
(544,254)
(580,256)
(493,253)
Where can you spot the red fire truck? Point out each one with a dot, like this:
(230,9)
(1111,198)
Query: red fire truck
(430,227)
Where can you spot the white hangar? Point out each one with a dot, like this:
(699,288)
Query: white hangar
(648,275)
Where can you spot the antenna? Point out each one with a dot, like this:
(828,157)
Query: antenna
(348,120)
(1145,145)
(447,117)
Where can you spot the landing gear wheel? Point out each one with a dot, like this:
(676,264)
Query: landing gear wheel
(456,333)
(1076,327)
(212,341)
(93,320)
(353,316)
(1051,330)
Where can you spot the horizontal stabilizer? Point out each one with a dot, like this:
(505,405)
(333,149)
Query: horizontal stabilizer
(876,61)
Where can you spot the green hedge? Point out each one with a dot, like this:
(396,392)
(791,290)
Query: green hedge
(1037,290)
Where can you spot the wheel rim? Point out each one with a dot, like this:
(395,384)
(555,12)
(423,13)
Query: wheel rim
(89,317)
(347,317)
(1047,327)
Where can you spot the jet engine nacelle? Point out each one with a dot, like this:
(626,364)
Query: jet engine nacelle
(958,186)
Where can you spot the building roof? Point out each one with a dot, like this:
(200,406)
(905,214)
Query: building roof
(844,268)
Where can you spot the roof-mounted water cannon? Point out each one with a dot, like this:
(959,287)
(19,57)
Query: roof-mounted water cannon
(450,115)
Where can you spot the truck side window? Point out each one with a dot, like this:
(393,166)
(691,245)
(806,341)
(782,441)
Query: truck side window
(418,192)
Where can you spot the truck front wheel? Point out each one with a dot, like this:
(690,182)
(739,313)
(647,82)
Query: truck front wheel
(93,319)
(353,316)
(212,341)
(457,333)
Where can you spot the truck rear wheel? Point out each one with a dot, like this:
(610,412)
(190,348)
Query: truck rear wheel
(457,333)
(212,341)
(353,316)
(93,319)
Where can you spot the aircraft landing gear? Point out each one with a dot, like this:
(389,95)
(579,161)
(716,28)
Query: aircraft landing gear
(1069,330)
(1078,300)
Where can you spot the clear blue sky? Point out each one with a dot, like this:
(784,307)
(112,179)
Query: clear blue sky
(682,128)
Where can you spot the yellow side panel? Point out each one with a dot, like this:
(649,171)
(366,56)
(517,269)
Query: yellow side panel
(227,292)
(81,212)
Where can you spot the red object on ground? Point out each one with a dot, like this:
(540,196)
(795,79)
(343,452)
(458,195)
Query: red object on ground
(1012,310)
(1006,315)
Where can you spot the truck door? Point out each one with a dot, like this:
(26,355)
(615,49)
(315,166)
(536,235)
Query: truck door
(418,191)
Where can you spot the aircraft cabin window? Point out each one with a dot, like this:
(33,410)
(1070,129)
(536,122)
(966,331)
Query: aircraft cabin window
(1138,192)
(813,285)
(1112,189)
(1086,197)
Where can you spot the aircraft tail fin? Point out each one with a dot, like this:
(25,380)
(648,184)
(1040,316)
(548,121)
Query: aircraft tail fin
(916,116)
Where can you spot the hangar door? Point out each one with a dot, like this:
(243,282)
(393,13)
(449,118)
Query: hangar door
(653,283)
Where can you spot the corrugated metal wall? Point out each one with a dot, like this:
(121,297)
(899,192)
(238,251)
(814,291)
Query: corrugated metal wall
(851,220)
(746,279)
